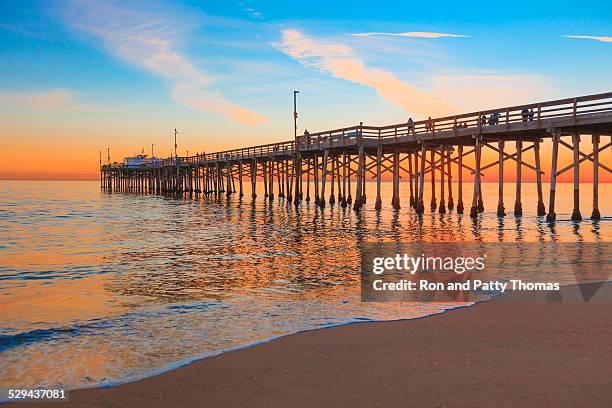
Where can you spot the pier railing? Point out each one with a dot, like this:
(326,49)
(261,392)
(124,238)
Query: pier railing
(474,122)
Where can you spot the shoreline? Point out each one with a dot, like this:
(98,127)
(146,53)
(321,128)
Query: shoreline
(372,363)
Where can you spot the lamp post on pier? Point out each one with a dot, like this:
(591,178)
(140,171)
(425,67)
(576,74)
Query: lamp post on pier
(295,114)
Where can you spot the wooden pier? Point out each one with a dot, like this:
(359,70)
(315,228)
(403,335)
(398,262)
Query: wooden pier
(332,166)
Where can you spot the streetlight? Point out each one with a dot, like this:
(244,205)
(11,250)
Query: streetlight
(175,145)
(295,114)
(152,154)
(108,154)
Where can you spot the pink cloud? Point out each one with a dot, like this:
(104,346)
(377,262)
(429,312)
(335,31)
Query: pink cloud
(590,37)
(340,61)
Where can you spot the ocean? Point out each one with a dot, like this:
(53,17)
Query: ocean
(99,288)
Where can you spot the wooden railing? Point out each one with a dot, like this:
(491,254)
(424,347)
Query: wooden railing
(479,121)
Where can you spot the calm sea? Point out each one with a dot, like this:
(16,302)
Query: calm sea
(99,288)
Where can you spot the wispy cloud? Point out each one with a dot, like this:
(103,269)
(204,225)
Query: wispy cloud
(414,34)
(589,37)
(150,41)
(57,100)
(251,11)
(341,61)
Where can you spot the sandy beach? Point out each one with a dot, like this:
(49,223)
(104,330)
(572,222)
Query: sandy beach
(511,351)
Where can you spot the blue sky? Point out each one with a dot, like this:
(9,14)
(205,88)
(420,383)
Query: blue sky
(88,74)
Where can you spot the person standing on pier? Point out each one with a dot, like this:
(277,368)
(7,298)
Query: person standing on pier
(410,126)
(525,114)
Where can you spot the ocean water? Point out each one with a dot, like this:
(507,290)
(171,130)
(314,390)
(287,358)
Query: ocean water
(99,288)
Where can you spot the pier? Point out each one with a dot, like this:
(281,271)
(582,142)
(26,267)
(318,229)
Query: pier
(332,167)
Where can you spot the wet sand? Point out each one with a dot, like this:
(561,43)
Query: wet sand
(511,351)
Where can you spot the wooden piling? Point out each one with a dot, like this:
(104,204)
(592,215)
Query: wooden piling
(337,158)
(518,206)
(410,175)
(442,209)
(264,173)
(595,215)
(576,216)
(460,179)
(541,210)
(254,178)
(451,203)
(553,177)
(316,179)
(477,192)
(421,204)
(378,204)
(349,199)
(343,202)
(432,157)
(308,170)
(332,198)
(500,179)
(396,180)
(360,172)
(323,178)
(416,180)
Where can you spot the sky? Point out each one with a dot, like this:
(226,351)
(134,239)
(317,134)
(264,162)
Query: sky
(77,77)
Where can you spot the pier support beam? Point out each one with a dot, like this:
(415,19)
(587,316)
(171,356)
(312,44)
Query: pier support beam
(451,203)
(332,197)
(360,174)
(460,180)
(349,199)
(432,158)
(316,179)
(518,206)
(442,209)
(536,149)
(500,191)
(421,203)
(396,180)
(343,201)
(264,172)
(553,178)
(308,171)
(323,178)
(337,158)
(416,180)
(595,215)
(576,216)
(378,204)
(240,193)
(297,195)
(477,191)
(254,178)
(271,181)
(411,181)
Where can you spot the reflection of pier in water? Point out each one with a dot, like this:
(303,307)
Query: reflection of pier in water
(334,160)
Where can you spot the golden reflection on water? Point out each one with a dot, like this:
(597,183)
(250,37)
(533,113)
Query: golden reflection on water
(99,287)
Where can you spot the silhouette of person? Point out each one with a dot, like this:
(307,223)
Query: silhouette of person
(525,114)
(410,126)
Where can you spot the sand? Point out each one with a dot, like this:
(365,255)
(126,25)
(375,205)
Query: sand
(511,351)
